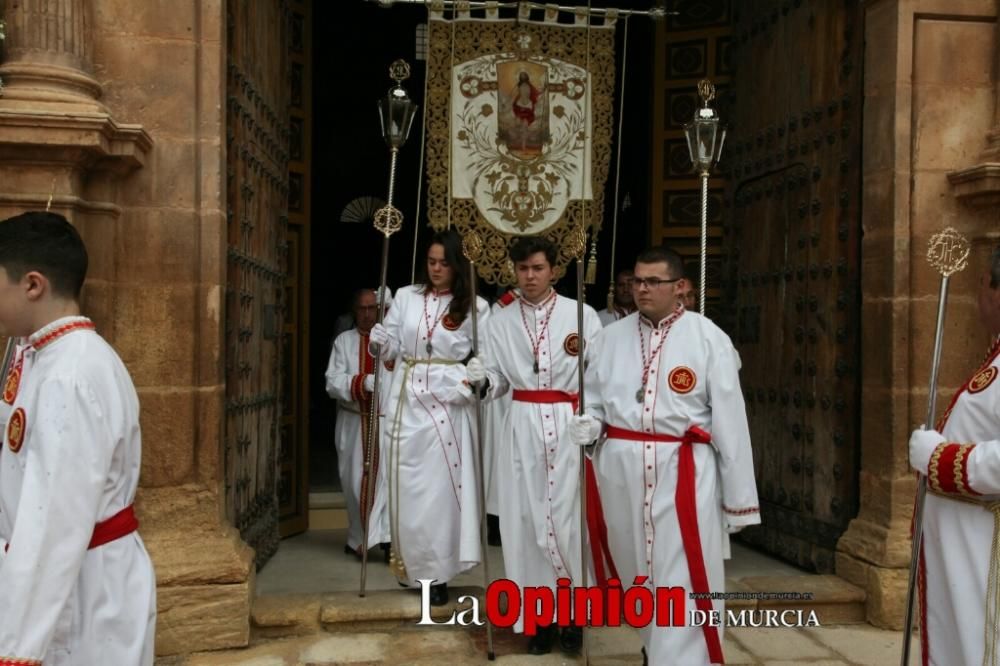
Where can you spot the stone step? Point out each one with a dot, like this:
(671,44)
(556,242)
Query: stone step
(834,601)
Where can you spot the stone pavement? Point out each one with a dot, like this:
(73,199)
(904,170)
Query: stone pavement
(436,646)
(307,612)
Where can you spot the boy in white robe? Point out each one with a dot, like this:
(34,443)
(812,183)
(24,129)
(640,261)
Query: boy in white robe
(533,350)
(76,584)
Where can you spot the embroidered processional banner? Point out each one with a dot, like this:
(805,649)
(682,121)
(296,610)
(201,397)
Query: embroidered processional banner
(518,127)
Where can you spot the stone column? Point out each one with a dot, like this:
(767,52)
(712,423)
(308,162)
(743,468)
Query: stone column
(928,101)
(979,185)
(47,56)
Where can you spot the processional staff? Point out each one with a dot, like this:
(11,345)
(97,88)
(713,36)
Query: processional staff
(472,248)
(948,253)
(396,111)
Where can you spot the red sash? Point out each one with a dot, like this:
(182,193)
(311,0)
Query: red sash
(687,517)
(122,523)
(600,550)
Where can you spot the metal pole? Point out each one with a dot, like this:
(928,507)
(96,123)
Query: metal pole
(367,473)
(473,277)
(655,13)
(581,405)
(704,239)
(918,507)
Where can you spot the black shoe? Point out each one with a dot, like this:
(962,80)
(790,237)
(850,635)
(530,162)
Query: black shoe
(386,549)
(350,551)
(571,639)
(492,529)
(645,661)
(541,642)
(439,594)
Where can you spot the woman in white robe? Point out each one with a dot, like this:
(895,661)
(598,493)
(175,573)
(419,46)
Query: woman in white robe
(430,455)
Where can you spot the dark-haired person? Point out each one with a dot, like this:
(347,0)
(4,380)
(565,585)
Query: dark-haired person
(76,583)
(430,456)
(350,379)
(624,304)
(675,469)
(533,347)
(959,591)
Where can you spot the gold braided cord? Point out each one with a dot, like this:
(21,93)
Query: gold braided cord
(932,468)
(470,42)
(958,465)
(396,564)
(992,619)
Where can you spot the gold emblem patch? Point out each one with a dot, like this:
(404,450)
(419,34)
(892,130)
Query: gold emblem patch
(682,380)
(15,430)
(10,386)
(983,379)
(450,323)
(572,344)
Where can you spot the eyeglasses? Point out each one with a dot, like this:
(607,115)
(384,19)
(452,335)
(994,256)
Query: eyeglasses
(652,282)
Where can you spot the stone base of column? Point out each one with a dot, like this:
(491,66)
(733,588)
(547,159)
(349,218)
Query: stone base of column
(884,585)
(205,574)
(50,87)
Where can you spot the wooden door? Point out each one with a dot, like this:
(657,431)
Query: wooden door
(257,194)
(792,270)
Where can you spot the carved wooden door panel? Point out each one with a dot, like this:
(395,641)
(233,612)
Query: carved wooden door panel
(257,193)
(792,264)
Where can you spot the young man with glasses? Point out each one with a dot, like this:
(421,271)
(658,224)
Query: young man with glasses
(533,347)
(674,469)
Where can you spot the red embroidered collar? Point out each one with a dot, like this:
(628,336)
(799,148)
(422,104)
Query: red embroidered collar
(666,321)
(57,329)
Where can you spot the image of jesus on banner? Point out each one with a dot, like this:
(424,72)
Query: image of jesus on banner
(524,114)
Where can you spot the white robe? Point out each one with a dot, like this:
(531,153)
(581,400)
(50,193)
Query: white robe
(609,317)
(538,469)
(638,480)
(78,464)
(343,374)
(430,454)
(494,414)
(958,535)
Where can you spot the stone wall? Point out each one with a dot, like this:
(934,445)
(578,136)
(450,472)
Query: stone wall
(930,113)
(115,108)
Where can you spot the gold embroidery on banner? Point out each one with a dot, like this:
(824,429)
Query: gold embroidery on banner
(474,39)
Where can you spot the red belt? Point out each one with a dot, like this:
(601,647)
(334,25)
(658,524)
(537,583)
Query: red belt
(122,523)
(544,396)
(599,548)
(687,517)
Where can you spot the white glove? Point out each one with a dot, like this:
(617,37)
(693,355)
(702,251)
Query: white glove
(583,430)
(922,445)
(475,371)
(369,383)
(378,335)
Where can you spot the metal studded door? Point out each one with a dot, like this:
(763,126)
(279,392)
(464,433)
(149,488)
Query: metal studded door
(257,192)
(793,246)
